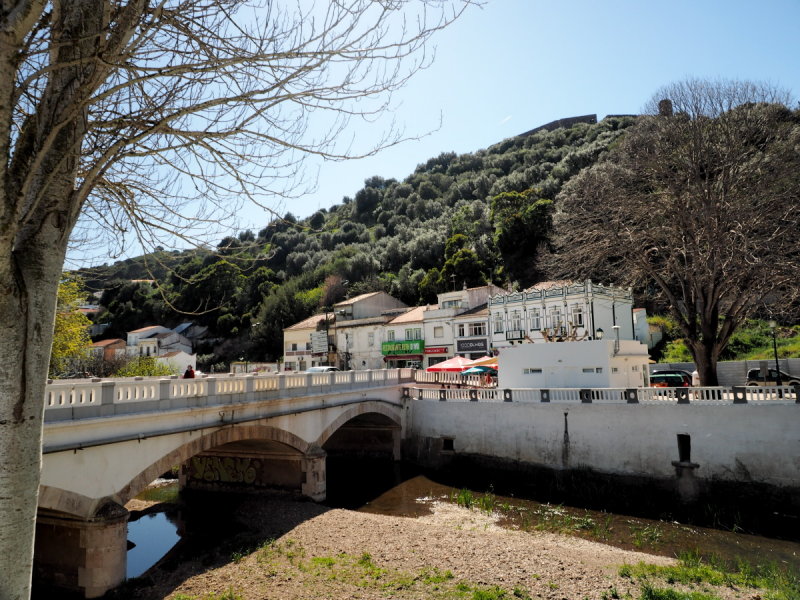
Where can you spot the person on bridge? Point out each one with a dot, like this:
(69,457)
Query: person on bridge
(189,373)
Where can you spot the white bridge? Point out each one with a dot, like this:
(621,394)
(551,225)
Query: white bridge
(105,441)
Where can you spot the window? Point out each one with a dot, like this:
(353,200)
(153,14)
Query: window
(451,304)
(477,329)
(577,315)
(531,371)
(370,339)
(588,370)
(516,320)
(438,331)
(294,347)
(414,334)
(390,335)
(461,330)
(308,345)
(634,367)
(556,318)
(598,370)
(498,323)
(536,319)
(614,370)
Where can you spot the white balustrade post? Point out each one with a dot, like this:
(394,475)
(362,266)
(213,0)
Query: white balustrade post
(249,388)
(107,394)
(211,390)
(164,396)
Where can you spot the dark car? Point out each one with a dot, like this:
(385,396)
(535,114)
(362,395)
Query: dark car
(756,377)
(669,380)
(685,377)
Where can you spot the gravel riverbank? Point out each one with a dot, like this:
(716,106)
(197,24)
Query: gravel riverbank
(289,550)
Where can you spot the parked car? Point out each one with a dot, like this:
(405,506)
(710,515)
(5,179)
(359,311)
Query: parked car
(322,369)
(686,377)
(756,377)
(669,380)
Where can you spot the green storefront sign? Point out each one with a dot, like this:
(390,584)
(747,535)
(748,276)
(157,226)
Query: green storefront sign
(405,347)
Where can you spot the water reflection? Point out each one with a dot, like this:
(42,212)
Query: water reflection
(153,535)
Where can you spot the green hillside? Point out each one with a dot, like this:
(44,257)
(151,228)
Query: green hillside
(456,220)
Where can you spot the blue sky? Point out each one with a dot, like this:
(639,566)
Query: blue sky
(515,64)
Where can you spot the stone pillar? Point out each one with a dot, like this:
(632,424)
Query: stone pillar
(85,556)
(314,478)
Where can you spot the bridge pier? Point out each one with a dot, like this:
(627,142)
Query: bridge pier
(315,478)
(88,556)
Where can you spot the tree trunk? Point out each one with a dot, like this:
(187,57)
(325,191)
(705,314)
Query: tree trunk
(27,313)
(706,363)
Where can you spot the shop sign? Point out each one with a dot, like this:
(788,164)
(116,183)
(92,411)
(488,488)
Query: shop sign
(319,342)
(472,345)
(436,350)
(404,347)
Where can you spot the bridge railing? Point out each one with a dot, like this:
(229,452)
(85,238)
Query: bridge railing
(84,398)
(665,396)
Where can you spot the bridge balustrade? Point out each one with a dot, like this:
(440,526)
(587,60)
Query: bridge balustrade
(706,396)
(71,396)
(186,388)
(86,398)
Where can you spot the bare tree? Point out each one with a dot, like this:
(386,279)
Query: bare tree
(699,207)
(149,119)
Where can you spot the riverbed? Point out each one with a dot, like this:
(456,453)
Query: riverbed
(417,535)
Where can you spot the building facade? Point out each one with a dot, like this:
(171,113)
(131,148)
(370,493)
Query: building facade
(561,311)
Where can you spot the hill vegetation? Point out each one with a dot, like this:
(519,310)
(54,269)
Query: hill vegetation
(456,220)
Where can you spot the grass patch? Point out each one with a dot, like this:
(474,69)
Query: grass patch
(652,593)
(161,493)
(467,499)
(779,583)
(230,594)
(287,559)
(649,535)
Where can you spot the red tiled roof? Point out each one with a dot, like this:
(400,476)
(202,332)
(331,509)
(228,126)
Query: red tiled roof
(412,316)
(104,343)
(309,323)
(144,328)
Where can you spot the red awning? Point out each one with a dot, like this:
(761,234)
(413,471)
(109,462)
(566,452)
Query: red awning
(455,364)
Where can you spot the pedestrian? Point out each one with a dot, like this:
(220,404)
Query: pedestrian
(189,373)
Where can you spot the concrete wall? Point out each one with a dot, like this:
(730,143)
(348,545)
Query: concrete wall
(585,364)
(729,442)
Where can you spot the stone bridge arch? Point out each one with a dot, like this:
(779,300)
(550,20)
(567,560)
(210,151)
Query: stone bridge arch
(391,414)
(72,503)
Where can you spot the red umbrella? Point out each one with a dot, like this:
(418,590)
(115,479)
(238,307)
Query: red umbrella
(455,364)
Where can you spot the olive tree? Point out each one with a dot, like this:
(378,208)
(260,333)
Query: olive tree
(148,120)
(698,208)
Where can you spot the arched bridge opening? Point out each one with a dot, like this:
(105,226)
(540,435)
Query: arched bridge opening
(362,459)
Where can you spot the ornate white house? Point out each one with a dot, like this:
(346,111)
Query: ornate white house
(561,311)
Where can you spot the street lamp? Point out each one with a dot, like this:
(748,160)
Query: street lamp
(599,334)
(773,325)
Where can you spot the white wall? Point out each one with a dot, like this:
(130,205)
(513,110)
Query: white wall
(586,364)
(729,442)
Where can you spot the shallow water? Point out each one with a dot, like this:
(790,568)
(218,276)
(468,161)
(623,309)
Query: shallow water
(153,535)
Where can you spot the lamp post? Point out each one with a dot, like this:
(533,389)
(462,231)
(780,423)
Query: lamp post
(773,325)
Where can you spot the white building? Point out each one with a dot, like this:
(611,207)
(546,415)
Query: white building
(457,324)
(602,363)
(561,310)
